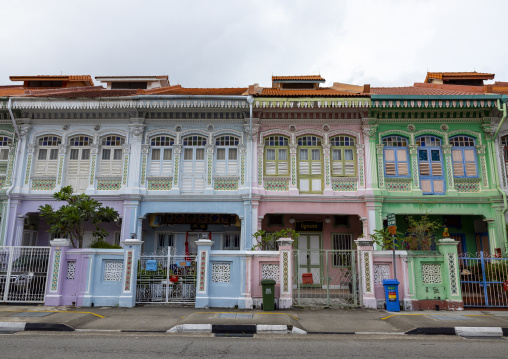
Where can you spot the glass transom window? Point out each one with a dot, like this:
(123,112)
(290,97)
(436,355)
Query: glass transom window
(309,141)
(80,141)
(50,141)
(395,141)
(227,141)
(162,141)
(194,141)
(342,141)
(462,141)
(113,141)
(276,141)
(428,141)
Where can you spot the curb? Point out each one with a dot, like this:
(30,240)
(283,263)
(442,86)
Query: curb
(19,327)
(493,332)
(236,329)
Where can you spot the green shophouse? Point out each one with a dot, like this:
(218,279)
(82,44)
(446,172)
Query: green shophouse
(432,153)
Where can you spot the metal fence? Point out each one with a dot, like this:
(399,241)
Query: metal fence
(23,274)
(481,278)
(166,277)
(326,278)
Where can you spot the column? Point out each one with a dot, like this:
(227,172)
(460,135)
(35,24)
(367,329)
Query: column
(94,151)
(448,247)
(130,217)
(259,182)
(415,175)
(365,249)
(130,270)
(177,152)
(370,155)
(293,186)
(491,228)
(327,191)
(210,149)
(136,129)
(22,177)
(19,227)
(286,272)
(62,151)
(379,169)
(450,182)
(203,281)
(59,247)
(360,149)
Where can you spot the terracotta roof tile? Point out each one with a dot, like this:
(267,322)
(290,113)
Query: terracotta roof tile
(85,78)
(500,89)
(178,90)
(11,90)
(94,92)
(321,92)
(298,78)
(458,75)
(420,90)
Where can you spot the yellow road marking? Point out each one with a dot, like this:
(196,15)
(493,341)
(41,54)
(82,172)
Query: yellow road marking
(50,311)
(253,313)
(464,315)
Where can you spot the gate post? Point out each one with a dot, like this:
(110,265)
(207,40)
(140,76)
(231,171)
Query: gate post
(59,247)
(286,271)
(448,247)
(130,272)
(203,284)
(365,248)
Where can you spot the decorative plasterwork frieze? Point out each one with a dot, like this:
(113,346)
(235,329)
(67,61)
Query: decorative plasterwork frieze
(434,104)
(311,103)
(39,104)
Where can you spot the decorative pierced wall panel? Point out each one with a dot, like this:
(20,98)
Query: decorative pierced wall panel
(431,273)
(113,271)
(381,271)
(221,272)
(453,274)
(270,271)
(71,269)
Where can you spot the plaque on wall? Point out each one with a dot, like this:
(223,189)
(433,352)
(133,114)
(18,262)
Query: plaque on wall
(309,226)
(198,227)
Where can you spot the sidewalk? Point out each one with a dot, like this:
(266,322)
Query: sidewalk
(158,318)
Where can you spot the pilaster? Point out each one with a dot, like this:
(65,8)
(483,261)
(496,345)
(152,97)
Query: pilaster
(293,186)
(130,270)
(59,247)
(203,281)
(286,270)
(136,129)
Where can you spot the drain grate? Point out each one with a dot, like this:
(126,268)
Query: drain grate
(450,317)
(235,316)
(31,314)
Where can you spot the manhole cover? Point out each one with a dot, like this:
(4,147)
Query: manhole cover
(31,314)
(235,316)
(244,316)
(450,317)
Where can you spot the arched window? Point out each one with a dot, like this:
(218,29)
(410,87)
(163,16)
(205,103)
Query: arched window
(47,156)
(310,164)
(78,169)
(276,156)
(430,162)
(463,156)
(5,142)
(193,174)
(226,155)
(111,157)
(161,162)
(343,156)
(396,156)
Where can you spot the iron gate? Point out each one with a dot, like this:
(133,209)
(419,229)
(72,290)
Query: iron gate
(23,274)
(326,278)
(166,277)
(481,280)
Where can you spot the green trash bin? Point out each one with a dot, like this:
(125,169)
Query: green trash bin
(268,286)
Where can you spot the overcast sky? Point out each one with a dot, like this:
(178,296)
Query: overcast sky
(238,43)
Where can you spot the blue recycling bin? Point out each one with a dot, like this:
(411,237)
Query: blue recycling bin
(392,294)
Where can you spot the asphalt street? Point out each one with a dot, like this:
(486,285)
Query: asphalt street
(155,345)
